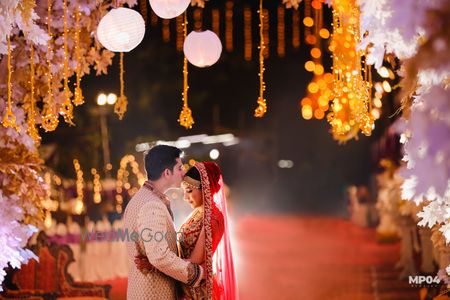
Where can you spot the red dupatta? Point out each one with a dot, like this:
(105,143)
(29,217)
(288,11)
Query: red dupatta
(220,274)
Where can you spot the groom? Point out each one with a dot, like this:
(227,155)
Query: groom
(148,219)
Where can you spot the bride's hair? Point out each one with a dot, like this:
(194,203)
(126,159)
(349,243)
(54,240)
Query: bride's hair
(193,173)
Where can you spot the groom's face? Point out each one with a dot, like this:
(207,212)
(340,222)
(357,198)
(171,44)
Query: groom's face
(177,174)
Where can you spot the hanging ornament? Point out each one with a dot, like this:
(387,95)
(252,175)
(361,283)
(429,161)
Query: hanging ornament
(262,105)
(186,120)
(121,105)
(78,97)
(121,30)
(67,107)
(9,120)
(281,47)
(229,25)
(49,117)
(247,33)
(351,93)
(202,49)
(168,9)
(31,122)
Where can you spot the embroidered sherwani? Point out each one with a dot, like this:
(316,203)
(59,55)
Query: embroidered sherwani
(149,216)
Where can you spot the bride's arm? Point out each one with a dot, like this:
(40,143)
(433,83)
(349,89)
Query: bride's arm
(198,254)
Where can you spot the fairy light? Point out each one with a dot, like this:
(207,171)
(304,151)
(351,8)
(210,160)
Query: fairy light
(247,33)
(186,120)
(307,20)
(78,96)
(49,119)
(350,110)
(79,205)
(32,130)
(216,21)
(266,32)
(281,48)
(296,29)
(122,182)
(67,107)
(319,90)
(9,120)
(229,26)
(96,186)
(262,105)
(121,105)
(180,37)
(166,30)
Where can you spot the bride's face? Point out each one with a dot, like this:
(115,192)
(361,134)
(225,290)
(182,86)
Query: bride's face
(192,196)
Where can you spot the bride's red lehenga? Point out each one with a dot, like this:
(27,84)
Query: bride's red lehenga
(220,278)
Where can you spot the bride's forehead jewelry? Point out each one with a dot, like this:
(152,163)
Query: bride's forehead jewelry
(192,183)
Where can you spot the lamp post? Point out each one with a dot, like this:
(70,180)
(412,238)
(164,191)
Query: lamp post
(102,101)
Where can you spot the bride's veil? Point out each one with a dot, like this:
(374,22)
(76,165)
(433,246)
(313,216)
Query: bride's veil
(220,265)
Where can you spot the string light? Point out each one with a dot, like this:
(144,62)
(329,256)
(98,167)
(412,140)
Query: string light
(281,48)
(351,93)
(307,20)
(50,118)
(122,180)
(186,120)
(247,33)
(78,97)
(166,30)
(121,105)
(9,120)
(96,186)
(229,26)
(79,204)
(296,29)
(32,130)
(262,105)
(67,107)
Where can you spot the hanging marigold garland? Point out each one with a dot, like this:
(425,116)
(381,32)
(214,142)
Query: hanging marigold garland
(78,97)
(31,122)
(67,107)
(121,105)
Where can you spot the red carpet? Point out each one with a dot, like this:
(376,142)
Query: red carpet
(292,257)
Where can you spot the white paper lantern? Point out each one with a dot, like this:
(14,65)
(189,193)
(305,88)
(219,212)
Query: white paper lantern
(169,9)
(202,48)
(121,30)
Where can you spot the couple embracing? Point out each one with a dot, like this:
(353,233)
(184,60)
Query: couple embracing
(198,266)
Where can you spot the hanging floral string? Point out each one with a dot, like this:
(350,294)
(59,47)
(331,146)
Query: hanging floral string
(32,130)
(67,107)
(78,97)
(9,120)
(186,120)
(262,106)
(50,118)
(121,105)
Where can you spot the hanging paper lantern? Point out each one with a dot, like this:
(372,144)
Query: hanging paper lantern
(121,30)
(169,9)
(202,48)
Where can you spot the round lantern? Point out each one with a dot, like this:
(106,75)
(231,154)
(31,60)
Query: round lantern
(121,30)
(202,48)
(168,9)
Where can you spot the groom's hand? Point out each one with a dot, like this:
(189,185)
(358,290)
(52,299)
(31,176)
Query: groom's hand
(143,265)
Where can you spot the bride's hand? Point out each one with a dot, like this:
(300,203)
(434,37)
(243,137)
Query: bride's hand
(142,264)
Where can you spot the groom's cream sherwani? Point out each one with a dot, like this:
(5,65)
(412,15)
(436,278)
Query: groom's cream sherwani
(148,216)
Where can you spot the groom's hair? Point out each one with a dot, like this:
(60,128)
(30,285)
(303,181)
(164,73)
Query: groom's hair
(159,158)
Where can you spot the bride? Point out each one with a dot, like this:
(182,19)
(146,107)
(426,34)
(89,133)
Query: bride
(204,237)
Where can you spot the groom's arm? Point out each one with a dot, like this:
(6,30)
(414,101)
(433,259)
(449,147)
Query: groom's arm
(152,220)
